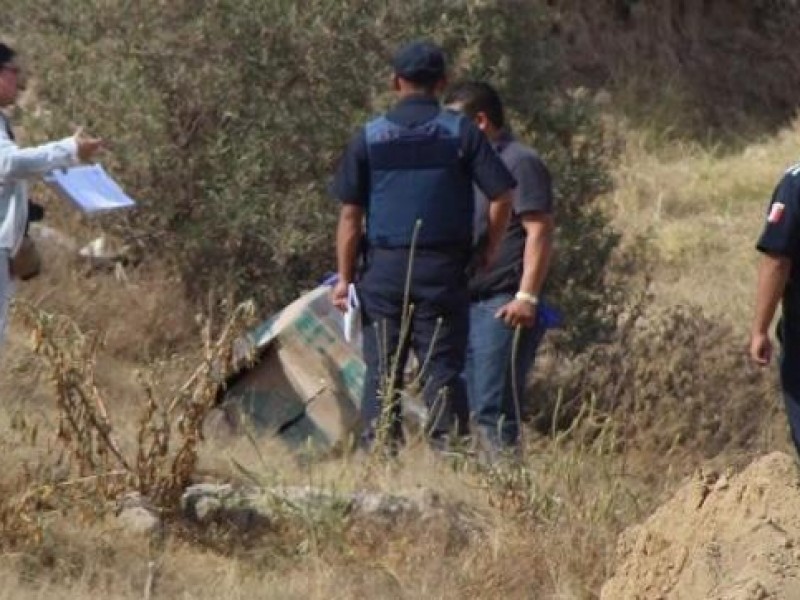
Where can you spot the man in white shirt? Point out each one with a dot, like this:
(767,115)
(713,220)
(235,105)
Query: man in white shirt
(18,166)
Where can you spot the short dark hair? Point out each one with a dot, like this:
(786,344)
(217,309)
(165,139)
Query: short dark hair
(475,97)
(6,54)
(428,88)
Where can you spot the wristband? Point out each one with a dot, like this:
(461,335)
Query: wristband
(531,299)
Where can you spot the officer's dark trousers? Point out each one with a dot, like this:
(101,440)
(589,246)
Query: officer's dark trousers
(790,382)
(436,330)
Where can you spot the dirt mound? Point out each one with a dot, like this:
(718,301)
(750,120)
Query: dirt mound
(719,538)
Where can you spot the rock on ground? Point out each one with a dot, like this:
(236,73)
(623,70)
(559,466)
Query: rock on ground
(718,538)
(205,503)
(138,520)
(136,515)
(248,509)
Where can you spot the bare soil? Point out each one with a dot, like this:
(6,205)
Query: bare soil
(718,538)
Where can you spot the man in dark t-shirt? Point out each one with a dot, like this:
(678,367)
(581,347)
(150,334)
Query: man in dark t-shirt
(505,325)
(779,278)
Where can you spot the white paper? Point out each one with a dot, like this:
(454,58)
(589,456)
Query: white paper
(352,317)
(90,188)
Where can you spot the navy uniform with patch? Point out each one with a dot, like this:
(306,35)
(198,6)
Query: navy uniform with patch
(417,164)
(781,237)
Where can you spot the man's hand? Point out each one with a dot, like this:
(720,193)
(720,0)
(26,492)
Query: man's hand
(517,312)
(339,295)
(760,349)
(87,146)
(348,236)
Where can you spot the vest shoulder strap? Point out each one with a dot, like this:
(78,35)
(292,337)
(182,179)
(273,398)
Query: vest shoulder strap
(378,127)
(451,121)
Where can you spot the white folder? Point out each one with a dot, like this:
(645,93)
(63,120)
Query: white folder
(352,316)
(90,188)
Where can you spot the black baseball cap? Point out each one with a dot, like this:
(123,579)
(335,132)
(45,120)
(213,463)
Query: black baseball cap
(420,62)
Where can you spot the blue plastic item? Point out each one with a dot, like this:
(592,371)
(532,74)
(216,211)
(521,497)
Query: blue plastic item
(551,317)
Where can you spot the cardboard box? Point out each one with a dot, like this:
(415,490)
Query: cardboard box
(305,385)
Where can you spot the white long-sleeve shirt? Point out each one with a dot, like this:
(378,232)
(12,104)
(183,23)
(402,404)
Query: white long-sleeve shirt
(17,166)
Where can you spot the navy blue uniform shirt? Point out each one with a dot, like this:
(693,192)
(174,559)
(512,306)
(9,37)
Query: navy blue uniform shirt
(781,237)
(351,183)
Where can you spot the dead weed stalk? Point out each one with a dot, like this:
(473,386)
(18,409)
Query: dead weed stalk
(165,456)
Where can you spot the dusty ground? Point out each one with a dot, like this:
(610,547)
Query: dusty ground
(552,527)
(718,538)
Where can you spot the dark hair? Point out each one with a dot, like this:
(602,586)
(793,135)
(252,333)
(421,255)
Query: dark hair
(475,97)
(427,88)
(6,54)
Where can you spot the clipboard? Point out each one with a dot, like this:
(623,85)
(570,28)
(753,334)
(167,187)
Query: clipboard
(89,188)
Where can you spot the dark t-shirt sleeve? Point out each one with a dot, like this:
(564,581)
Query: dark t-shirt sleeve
(350,183)
(485,167)
(780,234)
(534,191)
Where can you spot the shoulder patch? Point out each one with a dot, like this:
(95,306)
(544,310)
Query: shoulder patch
(776,212)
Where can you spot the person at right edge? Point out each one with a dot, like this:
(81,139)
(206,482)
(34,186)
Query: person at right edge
(779,278)
(506,320)
(411,173)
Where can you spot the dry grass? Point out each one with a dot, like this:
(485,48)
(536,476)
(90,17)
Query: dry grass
(549,528)
(565,507)
(559,550)
(139,311)
(703,209)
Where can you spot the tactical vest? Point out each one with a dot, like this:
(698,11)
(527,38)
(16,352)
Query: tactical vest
(416,174)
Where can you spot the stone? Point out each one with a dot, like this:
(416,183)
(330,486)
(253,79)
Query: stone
(139,520)
(206,508)
(249,506)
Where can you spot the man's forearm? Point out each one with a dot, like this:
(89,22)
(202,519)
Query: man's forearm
(24,163)
(348,237)
(537,254)
(773,273)
(499,215)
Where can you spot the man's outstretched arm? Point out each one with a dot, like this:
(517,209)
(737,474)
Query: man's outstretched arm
(24,163)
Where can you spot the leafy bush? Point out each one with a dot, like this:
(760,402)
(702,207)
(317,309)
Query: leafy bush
(687,69)
(673,380)
(228,118)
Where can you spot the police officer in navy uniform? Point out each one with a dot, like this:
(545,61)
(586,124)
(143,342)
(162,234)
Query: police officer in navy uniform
(405,185)
(779,279)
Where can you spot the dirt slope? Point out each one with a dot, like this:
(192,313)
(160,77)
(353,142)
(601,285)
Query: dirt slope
(718,539)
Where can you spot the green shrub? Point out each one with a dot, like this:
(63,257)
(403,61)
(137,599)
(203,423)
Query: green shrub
(228,118)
